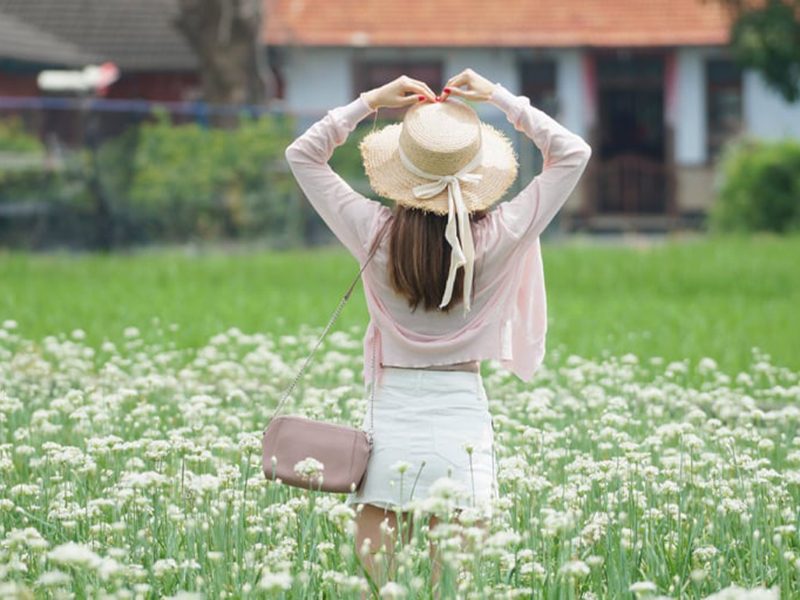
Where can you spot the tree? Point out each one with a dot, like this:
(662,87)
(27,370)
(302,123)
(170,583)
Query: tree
(765,36)
(225,35)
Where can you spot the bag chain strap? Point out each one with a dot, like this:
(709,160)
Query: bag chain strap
(333,318)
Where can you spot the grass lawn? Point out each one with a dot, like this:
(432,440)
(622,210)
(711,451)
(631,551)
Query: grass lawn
(679,300)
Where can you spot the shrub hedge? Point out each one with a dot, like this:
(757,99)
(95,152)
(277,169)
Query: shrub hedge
(758,187)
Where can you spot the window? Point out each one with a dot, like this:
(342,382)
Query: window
(723,103)
(372,74)
(539,84)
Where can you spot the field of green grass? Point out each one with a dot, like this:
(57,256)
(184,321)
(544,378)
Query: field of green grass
(656,456)
(680,300)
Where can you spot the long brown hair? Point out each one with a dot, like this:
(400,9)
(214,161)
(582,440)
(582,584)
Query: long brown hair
(419,258)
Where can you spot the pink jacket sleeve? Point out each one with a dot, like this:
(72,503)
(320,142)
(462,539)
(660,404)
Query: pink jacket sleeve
(351,216)
(565,155)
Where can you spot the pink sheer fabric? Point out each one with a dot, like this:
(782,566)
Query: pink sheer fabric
(508,320)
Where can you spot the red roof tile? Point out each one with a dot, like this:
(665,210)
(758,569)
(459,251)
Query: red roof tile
(519,23)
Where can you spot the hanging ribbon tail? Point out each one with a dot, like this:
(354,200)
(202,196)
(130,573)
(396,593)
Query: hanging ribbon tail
(465,232)
(469,253)
(457,258)
(458,232)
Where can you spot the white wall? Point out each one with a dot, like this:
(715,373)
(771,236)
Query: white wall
(690,110)
(316,80)
(766,113)
(571,92)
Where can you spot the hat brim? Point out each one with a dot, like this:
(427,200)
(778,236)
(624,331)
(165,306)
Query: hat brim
(389,178)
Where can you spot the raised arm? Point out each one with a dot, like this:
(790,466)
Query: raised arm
(351,216)
(348,214)
(565,155)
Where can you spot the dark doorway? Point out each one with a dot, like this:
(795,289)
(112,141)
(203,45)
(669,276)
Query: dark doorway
(631,171)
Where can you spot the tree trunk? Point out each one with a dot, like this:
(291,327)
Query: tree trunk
(225,35)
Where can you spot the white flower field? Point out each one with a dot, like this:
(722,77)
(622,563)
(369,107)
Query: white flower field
(134,471)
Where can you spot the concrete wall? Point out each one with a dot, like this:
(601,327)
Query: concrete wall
(766,114)
(316,80)
(690,121)
(695,187)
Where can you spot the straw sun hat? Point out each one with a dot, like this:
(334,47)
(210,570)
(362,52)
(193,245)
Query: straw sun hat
(442,159)
(439,138)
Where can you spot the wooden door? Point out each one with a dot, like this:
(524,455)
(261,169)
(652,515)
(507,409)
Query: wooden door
(631,174)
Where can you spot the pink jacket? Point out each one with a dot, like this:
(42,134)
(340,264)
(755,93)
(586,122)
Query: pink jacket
(508,320)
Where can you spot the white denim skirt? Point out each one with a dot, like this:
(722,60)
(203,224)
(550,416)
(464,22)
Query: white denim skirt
(428,419)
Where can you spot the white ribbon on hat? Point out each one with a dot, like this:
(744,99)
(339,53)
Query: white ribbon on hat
(463,250)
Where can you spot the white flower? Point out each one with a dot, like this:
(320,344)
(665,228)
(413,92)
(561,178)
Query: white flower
(165,566)
(54,577)
(558,522)
(401,466)
(705,553)
(107,567)
(503,538)
(341,513)
(594,560)
(642,587)
(446,488)
(205,482)
(29,537)
(275,581)
(735,592)
(697,575)
(393,590)
(308,467)
(574,568)
(346,375)
(766,445)
(74,554)
(707,365)
(184,595)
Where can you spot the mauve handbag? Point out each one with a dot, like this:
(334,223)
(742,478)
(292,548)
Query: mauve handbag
(343,450)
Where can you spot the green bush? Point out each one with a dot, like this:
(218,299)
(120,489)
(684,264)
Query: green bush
(23,171)
(162,181)
(759,187)
(14,138)
(193,180)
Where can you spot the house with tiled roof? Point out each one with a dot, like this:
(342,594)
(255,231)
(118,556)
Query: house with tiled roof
(154,59)
(650,85)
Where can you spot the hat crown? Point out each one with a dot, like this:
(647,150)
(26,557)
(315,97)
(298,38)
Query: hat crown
(441,138)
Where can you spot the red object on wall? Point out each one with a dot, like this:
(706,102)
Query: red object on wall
(109,74)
